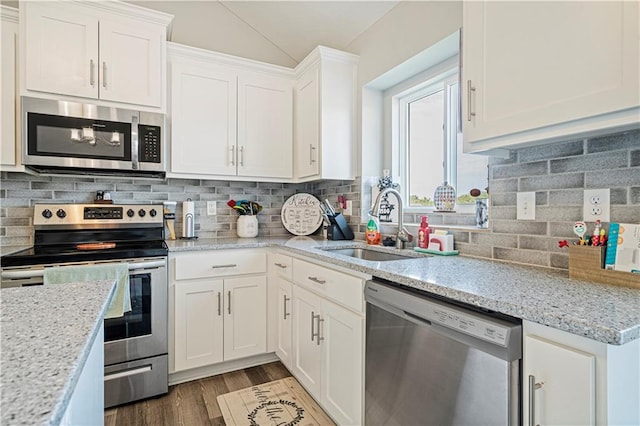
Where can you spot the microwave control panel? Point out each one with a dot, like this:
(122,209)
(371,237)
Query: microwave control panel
(150,144)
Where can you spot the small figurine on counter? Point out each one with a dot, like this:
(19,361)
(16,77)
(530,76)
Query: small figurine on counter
(580,229)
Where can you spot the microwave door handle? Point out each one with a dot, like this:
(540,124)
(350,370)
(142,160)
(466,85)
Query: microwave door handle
(135,141)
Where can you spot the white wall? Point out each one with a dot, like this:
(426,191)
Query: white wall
(408,29)
(209,25)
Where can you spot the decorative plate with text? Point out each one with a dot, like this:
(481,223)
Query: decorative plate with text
(301,214)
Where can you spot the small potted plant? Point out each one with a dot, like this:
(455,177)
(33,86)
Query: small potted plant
(247,225)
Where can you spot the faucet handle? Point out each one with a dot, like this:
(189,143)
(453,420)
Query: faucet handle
(405,235)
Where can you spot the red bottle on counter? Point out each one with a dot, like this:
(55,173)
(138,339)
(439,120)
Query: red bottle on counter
(423,233)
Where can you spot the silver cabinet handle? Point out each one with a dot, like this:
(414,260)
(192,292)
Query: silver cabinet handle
(242,156)
(320,320)
(104,74)
(219,304)
(232,155)
(230,265)
(281,265)
(311,156)
(92,73)
(285,307)
(313,316)
(229,296)
(470,89)
(317,280)
(533,386)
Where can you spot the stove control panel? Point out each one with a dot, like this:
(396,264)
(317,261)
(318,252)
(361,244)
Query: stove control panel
(97,214)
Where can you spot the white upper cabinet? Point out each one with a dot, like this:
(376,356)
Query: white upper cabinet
(9,129)
(535,72)
(265,126)
(88,51)
(325,115)
(203,119)
(230,117)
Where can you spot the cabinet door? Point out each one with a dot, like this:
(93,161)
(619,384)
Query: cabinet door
(307,358)
(284,320)
(307,124)
(61,50)
(567,394)
(131,62)
(342,393)
(245,323)
(9,40)
(552,67)
(198,323)
(203,114)
(265,126)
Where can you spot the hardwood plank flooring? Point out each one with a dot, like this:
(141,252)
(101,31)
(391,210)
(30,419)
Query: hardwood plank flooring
(192,403)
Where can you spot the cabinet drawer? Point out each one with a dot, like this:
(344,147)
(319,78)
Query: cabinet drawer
(342,288)
(281,265)
(220,263)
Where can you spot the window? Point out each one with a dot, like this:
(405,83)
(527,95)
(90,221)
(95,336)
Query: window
(431,147)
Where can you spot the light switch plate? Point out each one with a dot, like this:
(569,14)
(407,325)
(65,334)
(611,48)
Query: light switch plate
(211,208)
(348,211)
(597,205)
(526,206)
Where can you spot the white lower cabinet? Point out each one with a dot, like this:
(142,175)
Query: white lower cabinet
(576,380)
(328,353)
(284,345)
(215,317)
(565,382)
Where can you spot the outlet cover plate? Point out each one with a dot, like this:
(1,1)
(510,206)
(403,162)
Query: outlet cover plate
(211,208)
(526,205)
(597,205)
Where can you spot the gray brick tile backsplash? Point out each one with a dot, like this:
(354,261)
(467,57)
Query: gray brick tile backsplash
(604,161)
(549,151)
(626,140)
(613,178)
(516,170)
(566,197)
(558,173)
(559,181)
(530,257)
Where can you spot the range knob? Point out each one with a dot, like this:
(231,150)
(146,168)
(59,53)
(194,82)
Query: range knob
(141,213)
(46,213)
(61,214)
(153,212)
(130,213)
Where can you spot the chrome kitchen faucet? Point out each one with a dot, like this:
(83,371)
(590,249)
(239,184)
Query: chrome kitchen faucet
(403,235)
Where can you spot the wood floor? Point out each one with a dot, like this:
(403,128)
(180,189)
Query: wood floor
(193,403)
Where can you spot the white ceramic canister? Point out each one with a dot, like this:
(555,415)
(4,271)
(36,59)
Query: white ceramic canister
(247,226)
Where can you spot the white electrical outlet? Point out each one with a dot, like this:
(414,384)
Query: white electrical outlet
(596,205)
(348,211)
(211,208)
(526,205)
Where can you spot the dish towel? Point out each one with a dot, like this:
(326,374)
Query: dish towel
(121,301)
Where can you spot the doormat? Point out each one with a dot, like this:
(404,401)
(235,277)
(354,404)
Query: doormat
(281,402)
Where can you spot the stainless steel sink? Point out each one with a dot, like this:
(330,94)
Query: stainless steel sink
(372,255)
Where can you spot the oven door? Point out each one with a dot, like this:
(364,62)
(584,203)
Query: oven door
(142,332)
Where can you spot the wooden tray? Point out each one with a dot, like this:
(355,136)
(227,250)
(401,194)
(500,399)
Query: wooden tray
(586,263)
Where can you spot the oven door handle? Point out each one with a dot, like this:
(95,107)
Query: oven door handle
(34,273)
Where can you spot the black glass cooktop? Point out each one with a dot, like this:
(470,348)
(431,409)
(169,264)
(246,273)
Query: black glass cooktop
(63,253)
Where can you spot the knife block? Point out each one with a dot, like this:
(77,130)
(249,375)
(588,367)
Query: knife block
(338,228)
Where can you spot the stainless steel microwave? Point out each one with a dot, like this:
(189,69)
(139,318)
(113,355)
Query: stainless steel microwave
(71,137)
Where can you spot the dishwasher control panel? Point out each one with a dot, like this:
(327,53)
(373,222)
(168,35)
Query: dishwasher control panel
(469,324)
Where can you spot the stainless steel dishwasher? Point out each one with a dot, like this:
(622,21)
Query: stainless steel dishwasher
(430,362)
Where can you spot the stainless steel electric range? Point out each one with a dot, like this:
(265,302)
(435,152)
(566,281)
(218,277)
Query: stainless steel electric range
(135,352)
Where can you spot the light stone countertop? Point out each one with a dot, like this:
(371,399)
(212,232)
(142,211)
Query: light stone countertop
(601,312)
(46,335)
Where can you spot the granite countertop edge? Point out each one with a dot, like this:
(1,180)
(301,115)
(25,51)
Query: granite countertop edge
(27,338)
(533,297)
